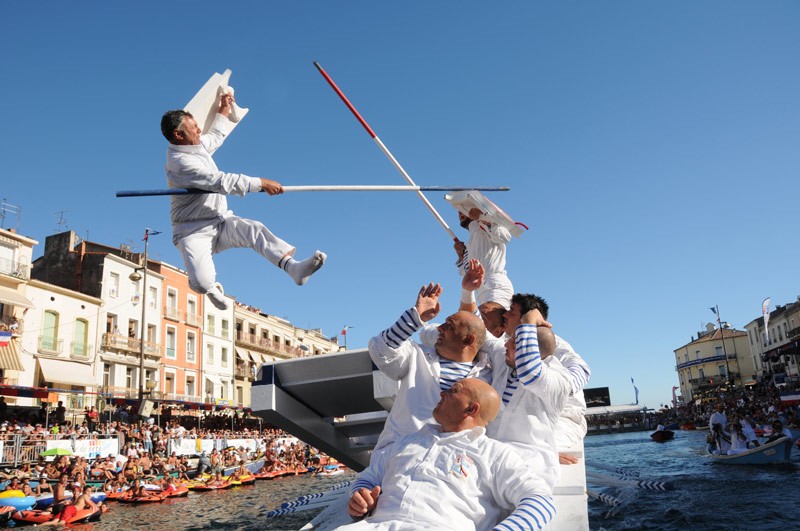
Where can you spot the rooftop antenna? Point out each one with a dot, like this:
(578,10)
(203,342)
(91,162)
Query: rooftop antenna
(61,221)
(5,209)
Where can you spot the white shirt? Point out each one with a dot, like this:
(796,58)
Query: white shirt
(416,368)
(192,167)
(487,244)
(461,481)
(718,418)
(528,421)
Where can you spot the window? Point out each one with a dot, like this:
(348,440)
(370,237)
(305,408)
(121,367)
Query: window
(80,337)
(702,372)
(129,377)
(210,354)
(107,375)
(113,285)
(7,264)
(225,332)
(191,306)
(171,341)
(210,325)
(190,341)
(152,297)
(723,371)
(223,354)
(169,384)
(49,338)
(190,385)
(136,294)
(171,311)
(718,351)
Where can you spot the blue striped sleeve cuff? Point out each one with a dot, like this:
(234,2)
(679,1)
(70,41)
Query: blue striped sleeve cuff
(403,328)
(528,358)
(361,483)
(533,512)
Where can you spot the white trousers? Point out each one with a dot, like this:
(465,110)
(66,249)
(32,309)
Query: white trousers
(496,288)
(198,247)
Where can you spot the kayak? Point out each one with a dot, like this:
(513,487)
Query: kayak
(40,517)
(179,492)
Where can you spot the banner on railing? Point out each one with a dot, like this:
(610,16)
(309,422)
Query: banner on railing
(251,445)
(191,446)
(92,448)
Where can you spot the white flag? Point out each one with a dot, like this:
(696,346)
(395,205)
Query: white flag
(765,313)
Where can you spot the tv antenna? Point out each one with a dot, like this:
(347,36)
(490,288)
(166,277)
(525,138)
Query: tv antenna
(6,209)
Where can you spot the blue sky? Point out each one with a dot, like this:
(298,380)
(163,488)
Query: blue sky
(650,146)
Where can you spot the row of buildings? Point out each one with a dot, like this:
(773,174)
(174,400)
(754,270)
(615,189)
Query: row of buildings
(75,317)
(721,356)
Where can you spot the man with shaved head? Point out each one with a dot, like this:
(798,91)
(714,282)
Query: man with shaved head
(449,475)
(425,371)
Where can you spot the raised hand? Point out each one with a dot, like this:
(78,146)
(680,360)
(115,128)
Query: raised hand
(473,278)
(428,301)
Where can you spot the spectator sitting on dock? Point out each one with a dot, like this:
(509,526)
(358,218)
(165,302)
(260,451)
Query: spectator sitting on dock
(483,477)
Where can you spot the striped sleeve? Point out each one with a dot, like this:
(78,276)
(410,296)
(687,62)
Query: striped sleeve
(533,512)
(403,328)
(528,358)
(578,376)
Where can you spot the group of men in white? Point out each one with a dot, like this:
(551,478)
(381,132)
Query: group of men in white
(485,400)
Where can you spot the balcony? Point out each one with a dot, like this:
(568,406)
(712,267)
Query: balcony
(174,396)
(50,345)
(242,372)
(79,350)
(15,269)
(193,319)
(267,345)
(119,392)
(130,345)
(172,313)
(10,322)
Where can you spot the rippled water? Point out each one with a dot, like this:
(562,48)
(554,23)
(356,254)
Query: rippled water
(238,508)
(707,496)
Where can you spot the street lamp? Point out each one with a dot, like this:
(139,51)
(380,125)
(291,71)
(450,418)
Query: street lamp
(135,277)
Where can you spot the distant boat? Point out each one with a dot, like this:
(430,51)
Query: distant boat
(776,452)
(662,435)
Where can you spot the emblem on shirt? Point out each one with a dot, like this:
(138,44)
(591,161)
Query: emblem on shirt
(462,466)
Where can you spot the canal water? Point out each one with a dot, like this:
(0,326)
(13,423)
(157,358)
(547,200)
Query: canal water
(707,496)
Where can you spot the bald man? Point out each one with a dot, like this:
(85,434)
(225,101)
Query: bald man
(423,371)
(449,475)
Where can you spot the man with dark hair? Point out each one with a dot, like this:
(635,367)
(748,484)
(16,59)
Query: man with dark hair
(202,225)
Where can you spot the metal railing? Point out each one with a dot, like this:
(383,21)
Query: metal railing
(172,312)
(130,344)
(15,269)
(269,345)
(193,319)
(244,373)
(50,345)
(79,350)
(10,322)
(19,449)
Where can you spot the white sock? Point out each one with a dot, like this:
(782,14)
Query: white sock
(301,271)
(217,297)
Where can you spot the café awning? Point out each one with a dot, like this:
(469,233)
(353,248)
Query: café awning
(9,357)
(9,296)
(67,372)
